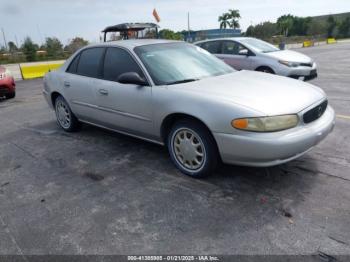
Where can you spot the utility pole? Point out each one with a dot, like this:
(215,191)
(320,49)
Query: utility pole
(16,41)
(3,35)
(188,25)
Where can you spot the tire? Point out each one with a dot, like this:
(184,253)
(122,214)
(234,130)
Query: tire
(10,95)
(265,69)
(65,117)
(186,142)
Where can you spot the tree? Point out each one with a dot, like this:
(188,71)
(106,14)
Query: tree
(317,28)
(169,34)
(344,27)
(75,44)
(53,47)
(229,19)
(331,25)
(234,16)
(263,30)
(300,25)
(250,31)
(29,49)
(285,24)
(12,47)
(224,21)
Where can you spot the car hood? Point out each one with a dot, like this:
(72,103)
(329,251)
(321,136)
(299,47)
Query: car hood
(269,94)
(290,56)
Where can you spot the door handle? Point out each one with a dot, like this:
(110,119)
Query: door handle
(66,84)
(103,92)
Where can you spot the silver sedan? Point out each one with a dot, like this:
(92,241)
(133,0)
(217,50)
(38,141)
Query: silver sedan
(179,95)
(253,54)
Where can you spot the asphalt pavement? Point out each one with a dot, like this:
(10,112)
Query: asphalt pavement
(98,192)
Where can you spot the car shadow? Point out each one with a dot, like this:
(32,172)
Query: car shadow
(279,187)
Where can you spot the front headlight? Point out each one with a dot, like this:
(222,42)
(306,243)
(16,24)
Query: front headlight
(266,124)
(289,64)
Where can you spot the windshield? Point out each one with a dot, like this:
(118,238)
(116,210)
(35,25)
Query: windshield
(173,63)
(259,45)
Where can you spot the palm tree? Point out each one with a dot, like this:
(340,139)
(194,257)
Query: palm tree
(234,16)
(224,20)
(285,23)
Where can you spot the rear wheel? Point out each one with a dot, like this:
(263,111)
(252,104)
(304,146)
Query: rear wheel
(192,148)
(10,95)
(65,117)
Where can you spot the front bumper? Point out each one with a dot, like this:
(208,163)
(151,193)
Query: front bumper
(7,86)
(304,72)
(269,149)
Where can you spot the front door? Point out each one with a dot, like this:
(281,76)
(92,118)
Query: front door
(126,107)
(232,55)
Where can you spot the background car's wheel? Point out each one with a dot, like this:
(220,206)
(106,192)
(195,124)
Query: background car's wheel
(10,95)
(192,148)
(65,117)
(265,69)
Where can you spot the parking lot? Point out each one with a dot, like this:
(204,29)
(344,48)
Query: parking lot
(98,192)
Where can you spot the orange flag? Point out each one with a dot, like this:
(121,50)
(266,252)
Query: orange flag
(156,16)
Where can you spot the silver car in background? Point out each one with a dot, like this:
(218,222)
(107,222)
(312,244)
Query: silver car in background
(179,95)
(246,53)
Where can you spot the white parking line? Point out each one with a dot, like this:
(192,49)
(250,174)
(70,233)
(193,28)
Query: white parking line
(344,117)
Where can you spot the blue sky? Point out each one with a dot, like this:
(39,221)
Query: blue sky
(66,19)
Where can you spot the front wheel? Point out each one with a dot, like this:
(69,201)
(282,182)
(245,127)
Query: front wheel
(65,117)
(192,148)
(265,69)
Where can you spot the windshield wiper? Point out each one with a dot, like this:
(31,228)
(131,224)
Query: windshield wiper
(182,81)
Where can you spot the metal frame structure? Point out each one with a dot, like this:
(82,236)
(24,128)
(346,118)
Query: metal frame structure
(126,28)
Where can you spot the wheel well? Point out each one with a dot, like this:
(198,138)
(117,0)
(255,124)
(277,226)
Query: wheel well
(260,68)
(170,120)
(54,96)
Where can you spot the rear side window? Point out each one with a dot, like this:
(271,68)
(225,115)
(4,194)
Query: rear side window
(73,65)
(89,62)
(118,61)
(213,47)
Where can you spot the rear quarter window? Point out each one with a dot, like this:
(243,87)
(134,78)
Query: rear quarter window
(74,65)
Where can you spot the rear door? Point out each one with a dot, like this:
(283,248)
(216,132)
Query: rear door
(78,82)
(230,53)
(126,107)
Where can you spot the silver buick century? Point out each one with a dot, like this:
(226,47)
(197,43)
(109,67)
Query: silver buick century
(179,95)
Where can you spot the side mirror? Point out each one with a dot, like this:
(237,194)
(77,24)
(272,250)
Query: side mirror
(243,52)
(132,78)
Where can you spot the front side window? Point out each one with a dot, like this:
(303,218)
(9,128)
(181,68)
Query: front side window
(118,61)
(89,62)
(232,48)
(172,63)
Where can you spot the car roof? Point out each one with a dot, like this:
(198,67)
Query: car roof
(132,43)
(224,38)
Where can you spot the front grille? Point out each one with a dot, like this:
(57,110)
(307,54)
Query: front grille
(315,113)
